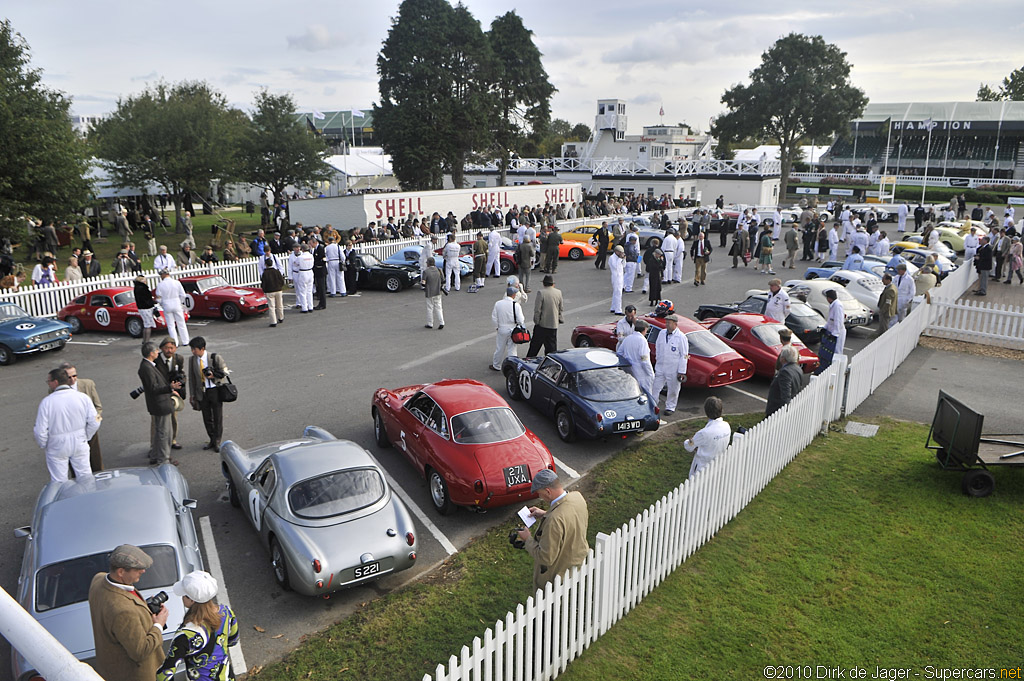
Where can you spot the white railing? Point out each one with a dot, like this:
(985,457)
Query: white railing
(557,623)
(932,181)
(979,322)
(632,167)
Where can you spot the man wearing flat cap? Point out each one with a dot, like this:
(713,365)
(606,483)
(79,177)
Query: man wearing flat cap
(128,637)
(560,539)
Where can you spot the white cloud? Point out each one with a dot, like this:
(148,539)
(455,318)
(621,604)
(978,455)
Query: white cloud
(317,38)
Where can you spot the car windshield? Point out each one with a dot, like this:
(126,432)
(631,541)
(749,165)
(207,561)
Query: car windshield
(336,493)
(706,344)
(211,282)
(67,582)
(11,312)
(126,298)
(769,333)
(485,426)
(369,260)
(607,384)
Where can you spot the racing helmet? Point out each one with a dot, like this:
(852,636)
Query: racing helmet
(664,308)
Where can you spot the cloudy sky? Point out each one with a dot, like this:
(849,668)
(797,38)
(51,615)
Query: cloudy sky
(651,53)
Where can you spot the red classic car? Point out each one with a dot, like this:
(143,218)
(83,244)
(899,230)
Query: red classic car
(463,438)
(108,309)
(757,338)
(712,363)
(210,295)
(506,261)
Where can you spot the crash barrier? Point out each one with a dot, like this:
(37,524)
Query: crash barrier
(979,322)
(556,624)
(44,653)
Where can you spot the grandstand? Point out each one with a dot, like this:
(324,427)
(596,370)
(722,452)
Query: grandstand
(968,139)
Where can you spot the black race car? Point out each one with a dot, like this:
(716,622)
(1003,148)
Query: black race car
(803,320)
(373,273)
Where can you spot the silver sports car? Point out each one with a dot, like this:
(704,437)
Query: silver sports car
(74,529)
(323,509)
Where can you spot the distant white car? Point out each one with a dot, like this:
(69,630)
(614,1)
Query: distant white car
(812,291)
(863,286)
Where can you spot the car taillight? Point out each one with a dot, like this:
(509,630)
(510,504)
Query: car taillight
(478,486)
(410,538)
(599,417)
(316,565)
(319,583)
(412,555)
(657,410)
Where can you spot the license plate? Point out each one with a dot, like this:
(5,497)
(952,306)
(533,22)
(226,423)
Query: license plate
(627,426)
(858,320)
(517,475)
(367,570)
(49,346)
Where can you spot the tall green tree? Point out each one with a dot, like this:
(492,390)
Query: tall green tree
(276,151)
(181,137)
(42,160)
(1011,89)
(801,89)
(523,89)
(413,118)
(473,69)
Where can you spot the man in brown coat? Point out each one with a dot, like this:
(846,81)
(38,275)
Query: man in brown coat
(887,308)
(129,638)
(547,315)
(560,540)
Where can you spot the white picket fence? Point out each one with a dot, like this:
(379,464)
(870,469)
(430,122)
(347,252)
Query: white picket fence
(554,626)
(979,322)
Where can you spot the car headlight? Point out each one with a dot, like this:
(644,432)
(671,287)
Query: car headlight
(241,301)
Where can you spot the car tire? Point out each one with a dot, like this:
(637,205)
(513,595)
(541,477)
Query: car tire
(134,327)
(393,284)
(811,275)
(575,254)
(703,314)
(978,483)
(76,325)
(380,433)
(512,385)
(439,492)
(233,497)
(505,267)
(7,356)
(230,312)
(584,342)
(279,565)
(564,424)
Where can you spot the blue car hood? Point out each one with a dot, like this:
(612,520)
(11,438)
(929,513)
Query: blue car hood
(39,325)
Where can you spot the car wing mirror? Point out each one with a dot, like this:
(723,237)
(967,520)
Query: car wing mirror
(22,532)
(189,503)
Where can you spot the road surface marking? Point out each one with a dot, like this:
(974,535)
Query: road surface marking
(744,392)
(490,336)
(427,522)
(213,558)
(568,471)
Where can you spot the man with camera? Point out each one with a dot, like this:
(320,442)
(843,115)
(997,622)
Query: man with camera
(560,540)
(172,366)
(206,372)
(127,629)
(158,391)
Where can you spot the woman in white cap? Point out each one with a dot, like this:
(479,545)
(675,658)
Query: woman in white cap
(206,632)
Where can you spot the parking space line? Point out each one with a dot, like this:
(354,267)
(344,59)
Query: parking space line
(563,467)
(427,522)
(744,392)
(213,558)
(74,342)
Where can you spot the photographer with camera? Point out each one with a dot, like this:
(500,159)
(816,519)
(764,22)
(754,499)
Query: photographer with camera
(172,366)
(127,633)
(560,540)
(159,404)
(206,373)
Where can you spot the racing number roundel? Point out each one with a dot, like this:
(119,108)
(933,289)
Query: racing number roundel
(525,384)
(190,302)
(25,327)
(254,507)
(102,316)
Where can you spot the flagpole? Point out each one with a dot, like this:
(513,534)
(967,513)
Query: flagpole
(927,153)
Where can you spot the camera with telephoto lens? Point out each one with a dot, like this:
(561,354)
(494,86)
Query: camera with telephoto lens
(156,601)
(135,393)
(176,376)
(514,540)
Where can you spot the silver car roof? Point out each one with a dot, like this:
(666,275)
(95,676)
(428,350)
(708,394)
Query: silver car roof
(310,459)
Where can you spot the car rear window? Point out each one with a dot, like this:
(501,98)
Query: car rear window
(609,384)
(802,310)
(703,343)
(485,426)
(67,582)
(125,298)
(769,333)
(336,493)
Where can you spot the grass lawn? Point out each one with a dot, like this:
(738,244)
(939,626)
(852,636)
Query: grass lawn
(861,553)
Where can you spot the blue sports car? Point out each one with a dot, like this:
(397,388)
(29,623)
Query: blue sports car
(587,391)
(410,255)
(21,334)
